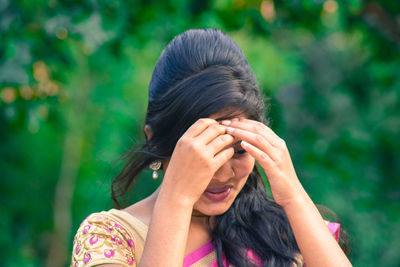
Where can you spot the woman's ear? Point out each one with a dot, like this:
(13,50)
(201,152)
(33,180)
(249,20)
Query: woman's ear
(148,132)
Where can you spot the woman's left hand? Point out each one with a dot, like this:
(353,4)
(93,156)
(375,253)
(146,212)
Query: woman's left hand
(272,154)
(316,243)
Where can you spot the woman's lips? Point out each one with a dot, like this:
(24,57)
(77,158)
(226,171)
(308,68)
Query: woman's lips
(217,193)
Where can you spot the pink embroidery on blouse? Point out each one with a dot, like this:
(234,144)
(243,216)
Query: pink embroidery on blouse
(86,229)
(130,243)
(89,239)
(92,241)
(87,257)
(77,249)
(117,240)
(108,229)
(118,226)
(108,253)
(129,259)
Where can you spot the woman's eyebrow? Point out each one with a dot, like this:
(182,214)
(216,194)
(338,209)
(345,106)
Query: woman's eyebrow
(236,143)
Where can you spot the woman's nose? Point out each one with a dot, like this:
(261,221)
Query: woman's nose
(224,173)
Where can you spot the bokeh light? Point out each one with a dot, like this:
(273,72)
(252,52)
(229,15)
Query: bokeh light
(267,10)
(8,94)
(331,6)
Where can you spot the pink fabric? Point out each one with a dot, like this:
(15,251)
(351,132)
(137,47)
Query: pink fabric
(207,248)
(224,262)
(334,228)
(198,254)
(253,256)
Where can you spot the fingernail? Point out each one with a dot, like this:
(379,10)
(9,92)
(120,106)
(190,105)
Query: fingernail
(226,122)
(244,143)
(229,129)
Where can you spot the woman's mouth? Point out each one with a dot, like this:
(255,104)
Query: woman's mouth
(217,193)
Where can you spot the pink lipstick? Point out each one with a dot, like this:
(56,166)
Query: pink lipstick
(217,193)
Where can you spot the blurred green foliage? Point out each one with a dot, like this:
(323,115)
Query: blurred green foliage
(74,77)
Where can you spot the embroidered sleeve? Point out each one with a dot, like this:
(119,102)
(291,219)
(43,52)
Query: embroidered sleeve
(99,240)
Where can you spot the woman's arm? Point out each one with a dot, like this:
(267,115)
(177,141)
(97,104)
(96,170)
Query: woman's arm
(168,230)
(200,152)
(316,243)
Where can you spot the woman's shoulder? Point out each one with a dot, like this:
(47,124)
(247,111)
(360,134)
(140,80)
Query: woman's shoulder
(108,237)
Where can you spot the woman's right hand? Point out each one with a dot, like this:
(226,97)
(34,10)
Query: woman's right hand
(198,154)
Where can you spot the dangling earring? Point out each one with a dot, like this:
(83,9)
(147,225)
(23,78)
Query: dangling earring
(155,166)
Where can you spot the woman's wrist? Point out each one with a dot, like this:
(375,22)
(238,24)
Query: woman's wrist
(175,199)
(299,200)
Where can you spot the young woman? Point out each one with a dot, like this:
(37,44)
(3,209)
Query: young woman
(205,126)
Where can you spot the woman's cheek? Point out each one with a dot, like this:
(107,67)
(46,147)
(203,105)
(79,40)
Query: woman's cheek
(243,166)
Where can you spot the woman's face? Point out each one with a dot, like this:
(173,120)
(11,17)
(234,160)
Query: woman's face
(226,183)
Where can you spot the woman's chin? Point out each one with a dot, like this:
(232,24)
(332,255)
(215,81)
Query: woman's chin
(211,210)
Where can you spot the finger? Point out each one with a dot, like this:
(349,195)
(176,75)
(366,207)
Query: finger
(255,127)
(199,126)
(210,133)
(219,143)
(265,127)
(256,140)
(223,156)
(265,161)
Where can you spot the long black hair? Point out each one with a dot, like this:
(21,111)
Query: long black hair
(199,73)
